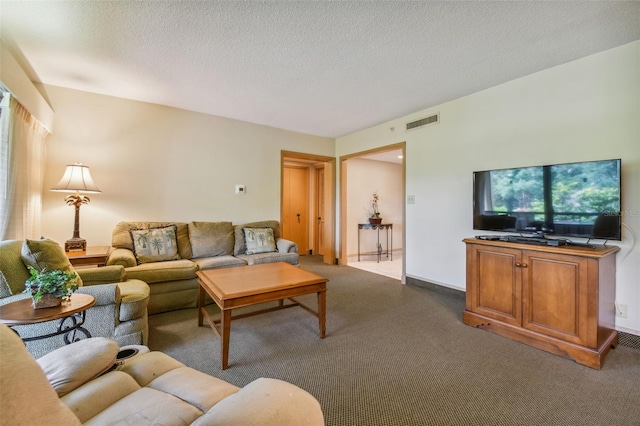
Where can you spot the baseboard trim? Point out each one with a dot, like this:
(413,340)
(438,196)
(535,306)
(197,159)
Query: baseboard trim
(435,287)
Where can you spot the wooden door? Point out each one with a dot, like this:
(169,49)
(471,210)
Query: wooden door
(319,240)
(555,296)
(295,206)
(494,283)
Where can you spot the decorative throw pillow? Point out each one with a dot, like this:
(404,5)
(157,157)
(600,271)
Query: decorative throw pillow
(46,255)
(259,240)
(210,239)
(155,244)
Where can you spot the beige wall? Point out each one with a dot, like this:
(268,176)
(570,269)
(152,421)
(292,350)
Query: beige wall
(588,109)
(364,178)
(159,163)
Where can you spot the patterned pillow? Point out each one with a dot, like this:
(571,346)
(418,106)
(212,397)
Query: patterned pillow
(46,255)
(155,244)
(259,240)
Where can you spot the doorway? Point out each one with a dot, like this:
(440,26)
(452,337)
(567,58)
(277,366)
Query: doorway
(383,171)
(307,205)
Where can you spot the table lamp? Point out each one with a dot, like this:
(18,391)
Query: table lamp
(77,178)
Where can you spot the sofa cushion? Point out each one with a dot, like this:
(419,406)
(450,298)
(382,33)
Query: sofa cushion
(73,365)
(171,270)
(147,406)
(218,262)
(259,240)
(121,238)
(155,244)
(47,255)
(99,394)
(211,239)
(259,258)
(239,243)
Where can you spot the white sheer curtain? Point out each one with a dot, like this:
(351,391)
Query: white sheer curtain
(21,172)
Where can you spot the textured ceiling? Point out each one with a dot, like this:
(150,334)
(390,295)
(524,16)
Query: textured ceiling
(322,68)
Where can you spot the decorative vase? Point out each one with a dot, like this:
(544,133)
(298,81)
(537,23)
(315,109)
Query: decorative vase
(47,301)
(375,220)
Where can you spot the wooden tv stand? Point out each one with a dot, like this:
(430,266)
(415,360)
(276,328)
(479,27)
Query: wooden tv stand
(558,299)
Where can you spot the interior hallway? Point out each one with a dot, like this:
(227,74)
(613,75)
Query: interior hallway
(386,267)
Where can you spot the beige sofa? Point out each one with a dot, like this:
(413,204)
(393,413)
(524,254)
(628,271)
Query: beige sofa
(171,275)
(74,385)
(120,312)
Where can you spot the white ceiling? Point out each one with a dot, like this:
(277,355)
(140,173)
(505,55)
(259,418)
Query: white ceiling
(326,68)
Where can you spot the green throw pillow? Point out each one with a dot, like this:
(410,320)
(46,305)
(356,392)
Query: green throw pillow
(155,244)
(259,240)
(46,255)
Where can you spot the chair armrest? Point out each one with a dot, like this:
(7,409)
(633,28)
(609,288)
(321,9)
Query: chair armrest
(73,365)
(122,256)
(103,275)
(286,246)
(105,294)
(14,298)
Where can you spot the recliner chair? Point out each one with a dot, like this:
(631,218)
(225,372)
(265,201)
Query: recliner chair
(120,312)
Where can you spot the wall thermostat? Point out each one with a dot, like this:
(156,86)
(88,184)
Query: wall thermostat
(240,190)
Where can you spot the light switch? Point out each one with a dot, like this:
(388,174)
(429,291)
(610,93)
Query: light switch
(240,190)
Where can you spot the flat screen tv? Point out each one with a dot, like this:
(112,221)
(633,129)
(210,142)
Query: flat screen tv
(569,200)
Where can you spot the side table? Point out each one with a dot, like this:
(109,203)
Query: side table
(97,256)
(71,315)
(377,227)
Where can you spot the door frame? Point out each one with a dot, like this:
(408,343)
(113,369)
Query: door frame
(330,171)
(343,260)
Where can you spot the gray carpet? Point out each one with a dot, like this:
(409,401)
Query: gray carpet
(400,355)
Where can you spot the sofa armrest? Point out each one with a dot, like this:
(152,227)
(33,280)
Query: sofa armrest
(286,246)
(266,401)
(122,256)
(103,275)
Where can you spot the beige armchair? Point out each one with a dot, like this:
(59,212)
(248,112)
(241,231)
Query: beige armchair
(78,384)
(120,312)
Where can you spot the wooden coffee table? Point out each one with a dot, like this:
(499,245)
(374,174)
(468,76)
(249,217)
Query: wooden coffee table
(250,285)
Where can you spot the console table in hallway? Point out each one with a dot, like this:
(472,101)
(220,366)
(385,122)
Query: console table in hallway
(378,227)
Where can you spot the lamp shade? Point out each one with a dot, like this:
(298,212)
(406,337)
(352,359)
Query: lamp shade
(77,178)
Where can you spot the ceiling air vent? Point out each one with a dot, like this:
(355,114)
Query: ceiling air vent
(423,122)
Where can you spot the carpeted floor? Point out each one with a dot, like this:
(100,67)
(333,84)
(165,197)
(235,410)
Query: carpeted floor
(400,355)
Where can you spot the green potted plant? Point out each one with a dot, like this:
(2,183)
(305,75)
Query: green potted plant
(49,289)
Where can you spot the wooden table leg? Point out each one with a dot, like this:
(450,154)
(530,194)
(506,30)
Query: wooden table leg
(322,308)
(225,323)
(201,296)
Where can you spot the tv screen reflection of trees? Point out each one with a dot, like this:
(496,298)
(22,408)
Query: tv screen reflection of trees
(574,199)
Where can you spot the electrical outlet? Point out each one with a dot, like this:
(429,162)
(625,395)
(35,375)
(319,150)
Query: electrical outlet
(621,310)
(411,199)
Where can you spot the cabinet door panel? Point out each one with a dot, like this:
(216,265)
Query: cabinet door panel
(555,300)
(497,293)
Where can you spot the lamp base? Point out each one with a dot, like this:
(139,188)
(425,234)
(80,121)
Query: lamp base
(75,244)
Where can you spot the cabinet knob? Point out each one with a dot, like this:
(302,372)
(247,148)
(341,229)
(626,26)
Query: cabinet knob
(524,265)
(518,264)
